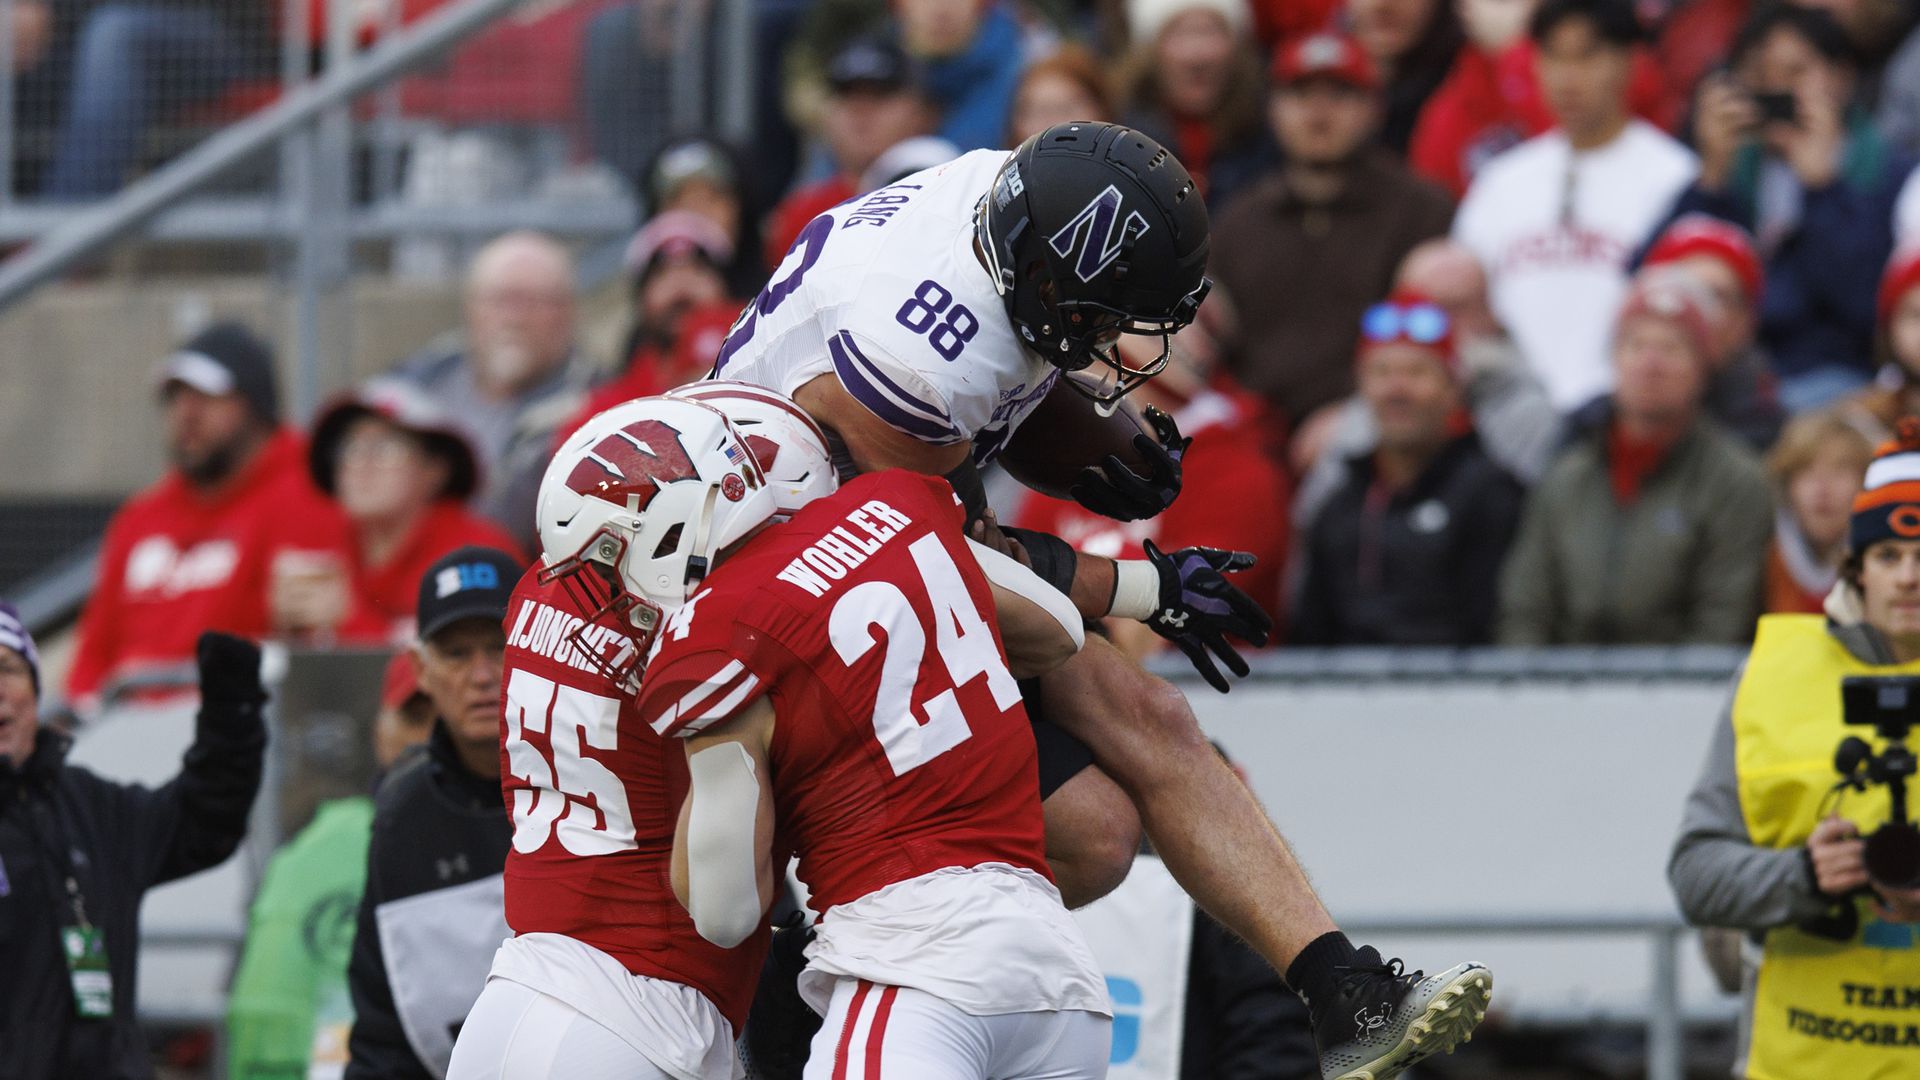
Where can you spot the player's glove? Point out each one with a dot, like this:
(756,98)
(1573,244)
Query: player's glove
(1199,607)
(1111,489)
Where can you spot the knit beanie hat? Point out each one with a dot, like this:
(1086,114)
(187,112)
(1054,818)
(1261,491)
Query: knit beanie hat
(1146,18)
(1699,234)
(1676,297)
(1888,506)
(14,635)
(1903,273)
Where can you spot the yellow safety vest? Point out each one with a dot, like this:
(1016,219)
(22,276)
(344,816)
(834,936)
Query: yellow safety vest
(1823,1009)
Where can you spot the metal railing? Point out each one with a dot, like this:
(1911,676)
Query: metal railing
(344,137)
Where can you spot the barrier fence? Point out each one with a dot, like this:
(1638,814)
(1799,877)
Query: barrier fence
(1514,806)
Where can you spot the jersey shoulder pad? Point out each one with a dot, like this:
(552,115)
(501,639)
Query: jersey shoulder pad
(903,396)
(708,664)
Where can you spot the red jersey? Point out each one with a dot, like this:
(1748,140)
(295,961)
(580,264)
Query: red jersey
(900,745)
(385,595)
(177,561)
(594,796)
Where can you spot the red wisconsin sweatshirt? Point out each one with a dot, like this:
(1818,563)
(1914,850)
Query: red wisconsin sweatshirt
(178,561)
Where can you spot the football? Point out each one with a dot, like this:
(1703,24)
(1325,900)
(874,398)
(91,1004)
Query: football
(1064,434)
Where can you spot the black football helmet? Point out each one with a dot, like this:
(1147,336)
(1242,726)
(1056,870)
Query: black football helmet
(1091,231)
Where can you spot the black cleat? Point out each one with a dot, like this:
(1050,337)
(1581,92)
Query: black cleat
(1380,1021)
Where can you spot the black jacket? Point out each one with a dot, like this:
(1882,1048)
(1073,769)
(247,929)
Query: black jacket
(1420,566)
(436,826)
(119,840)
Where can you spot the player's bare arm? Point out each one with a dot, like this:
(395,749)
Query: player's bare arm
(723,871)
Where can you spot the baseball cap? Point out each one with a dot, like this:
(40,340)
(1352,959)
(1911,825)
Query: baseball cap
(466,583)
(873,62)
(676,233)
(1699,234)
(406,407)
(686,160)
(226,358)
(14,635)
(1324,55)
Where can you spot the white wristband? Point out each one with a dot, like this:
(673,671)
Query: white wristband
(1136,589)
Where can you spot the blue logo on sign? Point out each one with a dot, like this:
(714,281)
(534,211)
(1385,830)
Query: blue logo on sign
(1126,1025)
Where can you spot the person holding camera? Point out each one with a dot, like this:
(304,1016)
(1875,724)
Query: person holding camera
(1785,153)
(78,852)
(1772,845)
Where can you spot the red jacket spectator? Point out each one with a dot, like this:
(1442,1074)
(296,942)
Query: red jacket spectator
(1232,496)
(179,560)
(387,592)
(229,539)
(402,474)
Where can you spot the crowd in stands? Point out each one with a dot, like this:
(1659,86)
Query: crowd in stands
(1534,321)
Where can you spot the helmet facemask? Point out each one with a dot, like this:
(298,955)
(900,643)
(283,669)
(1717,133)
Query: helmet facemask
(591,580)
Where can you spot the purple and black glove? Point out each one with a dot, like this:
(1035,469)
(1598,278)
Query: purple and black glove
(1199,607)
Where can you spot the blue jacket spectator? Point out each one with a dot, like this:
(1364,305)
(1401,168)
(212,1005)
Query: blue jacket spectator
(1782,155)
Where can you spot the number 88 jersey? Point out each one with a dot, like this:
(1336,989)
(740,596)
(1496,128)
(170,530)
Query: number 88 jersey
(900,744)
(886,293)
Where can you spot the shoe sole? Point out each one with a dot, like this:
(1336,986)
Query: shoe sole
(1447,1022)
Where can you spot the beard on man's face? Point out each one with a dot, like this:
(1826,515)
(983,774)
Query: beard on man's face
(207,466)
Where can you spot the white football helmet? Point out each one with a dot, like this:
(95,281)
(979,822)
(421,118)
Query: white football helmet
(790,447)
(633,510)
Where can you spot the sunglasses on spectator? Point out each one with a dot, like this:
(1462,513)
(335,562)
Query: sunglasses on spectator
(1422,324)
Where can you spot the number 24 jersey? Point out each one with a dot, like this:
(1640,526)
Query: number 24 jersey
(900,746)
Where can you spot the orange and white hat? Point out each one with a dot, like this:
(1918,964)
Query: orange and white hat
(1888,506)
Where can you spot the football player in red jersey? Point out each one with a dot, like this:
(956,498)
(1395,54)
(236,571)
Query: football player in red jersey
(840,680)
(609,969)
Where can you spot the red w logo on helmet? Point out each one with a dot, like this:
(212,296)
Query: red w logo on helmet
(632,463)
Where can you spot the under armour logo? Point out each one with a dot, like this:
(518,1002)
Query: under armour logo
(1174,618)
(1366,1024)
(449,868)
(1099,232)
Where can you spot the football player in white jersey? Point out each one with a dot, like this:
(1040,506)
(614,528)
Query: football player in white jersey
(919,325)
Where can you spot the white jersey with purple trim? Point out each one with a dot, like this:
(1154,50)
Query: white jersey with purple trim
(886,292)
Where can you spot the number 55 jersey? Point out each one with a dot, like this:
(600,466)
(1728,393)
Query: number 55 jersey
(903,768)
(594,795)
(885,292)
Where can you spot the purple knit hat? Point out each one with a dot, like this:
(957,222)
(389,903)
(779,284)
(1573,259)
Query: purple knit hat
(14,635)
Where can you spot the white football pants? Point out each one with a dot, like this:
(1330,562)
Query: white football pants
(875,1032)
(518,1033)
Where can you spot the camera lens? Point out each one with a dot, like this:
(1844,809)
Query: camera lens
(1893,855)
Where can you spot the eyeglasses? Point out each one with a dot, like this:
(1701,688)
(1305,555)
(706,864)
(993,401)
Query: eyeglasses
(1422,324)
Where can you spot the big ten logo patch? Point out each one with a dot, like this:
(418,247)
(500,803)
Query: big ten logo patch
(463,576)
(1127,1002)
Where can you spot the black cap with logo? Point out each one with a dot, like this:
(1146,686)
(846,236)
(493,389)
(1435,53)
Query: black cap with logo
(469,582)
(874,63)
